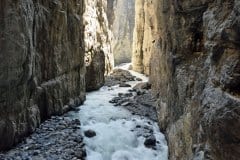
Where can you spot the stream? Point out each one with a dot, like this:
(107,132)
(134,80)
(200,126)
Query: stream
(119,134)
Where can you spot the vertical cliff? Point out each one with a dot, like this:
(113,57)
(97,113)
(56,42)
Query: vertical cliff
(195,68)
(194,71)
(42,69)
(145,33)
(121,14)
(97,38)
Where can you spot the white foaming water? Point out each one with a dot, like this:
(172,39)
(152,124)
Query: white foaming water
(116,138)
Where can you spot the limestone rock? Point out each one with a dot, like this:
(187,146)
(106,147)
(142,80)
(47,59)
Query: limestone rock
(194,72)
(145,34)
(95,72)
(42,63)
(97,40)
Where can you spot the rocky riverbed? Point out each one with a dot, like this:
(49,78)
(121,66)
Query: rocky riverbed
(138,100)
(112,126)
(116,122)
(55,139)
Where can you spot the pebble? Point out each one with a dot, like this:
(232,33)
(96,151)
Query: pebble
(56,138)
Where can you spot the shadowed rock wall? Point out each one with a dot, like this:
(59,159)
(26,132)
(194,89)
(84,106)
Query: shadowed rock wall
(42,69)
(194,71)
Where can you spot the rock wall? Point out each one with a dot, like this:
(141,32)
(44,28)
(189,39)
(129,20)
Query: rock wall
(145,33)
(121,16)
(195,73)
(42,70)
(97,38)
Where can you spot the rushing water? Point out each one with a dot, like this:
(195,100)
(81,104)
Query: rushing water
(116,136)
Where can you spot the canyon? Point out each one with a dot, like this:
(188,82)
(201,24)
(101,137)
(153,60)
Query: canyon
(121,17)
(54,52)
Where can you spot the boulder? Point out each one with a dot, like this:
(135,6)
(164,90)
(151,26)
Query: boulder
(90,133)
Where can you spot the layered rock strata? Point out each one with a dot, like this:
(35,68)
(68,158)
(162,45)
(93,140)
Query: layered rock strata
(42,69)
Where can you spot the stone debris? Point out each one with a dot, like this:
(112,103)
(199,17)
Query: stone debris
(119,76)
(138,100)
(56,138)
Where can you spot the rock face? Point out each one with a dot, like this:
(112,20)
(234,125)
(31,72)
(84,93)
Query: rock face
(42,69)
(195,72)
(145,34)
(121,14)
(97,38)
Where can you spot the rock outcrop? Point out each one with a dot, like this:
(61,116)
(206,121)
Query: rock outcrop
(195,72)
(97,38)
(146,32)
(42,70)
(121,14)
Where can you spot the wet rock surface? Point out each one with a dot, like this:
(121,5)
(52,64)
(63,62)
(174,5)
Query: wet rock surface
(90,133)
(150,142)
(56,138)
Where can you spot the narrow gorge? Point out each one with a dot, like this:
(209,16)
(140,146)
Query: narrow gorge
(120,79)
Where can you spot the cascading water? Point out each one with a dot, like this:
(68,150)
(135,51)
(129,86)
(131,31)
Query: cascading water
(117,137)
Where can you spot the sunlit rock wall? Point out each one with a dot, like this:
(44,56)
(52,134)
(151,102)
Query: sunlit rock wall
(97,38)
(145,33)
(121,14)
(42,69)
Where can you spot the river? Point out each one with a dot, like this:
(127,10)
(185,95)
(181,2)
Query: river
(118,133)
